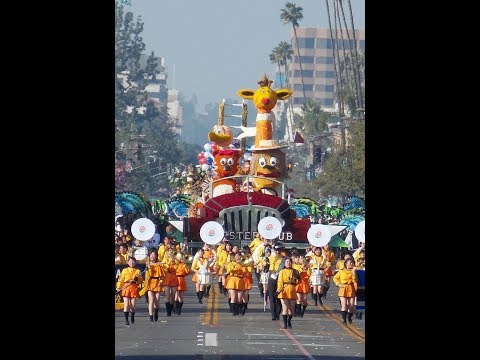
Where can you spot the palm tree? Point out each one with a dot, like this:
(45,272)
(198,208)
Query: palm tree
(275,58)
(293,14)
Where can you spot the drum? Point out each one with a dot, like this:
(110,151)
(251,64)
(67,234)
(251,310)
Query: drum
(264,277)
(317,277)
(205,279)
(140,253)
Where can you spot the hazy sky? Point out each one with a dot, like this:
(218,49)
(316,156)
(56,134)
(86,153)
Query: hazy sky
(215,47)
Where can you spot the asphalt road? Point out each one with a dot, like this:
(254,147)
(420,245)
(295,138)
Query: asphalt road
(209,331)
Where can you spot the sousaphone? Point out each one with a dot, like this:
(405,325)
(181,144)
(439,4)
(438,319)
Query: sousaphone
(360,231)
(269,227)
(143,229)
(319,235)
(212,232)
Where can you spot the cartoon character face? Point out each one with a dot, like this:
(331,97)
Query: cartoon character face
(226,162)
(268,164)
(222,135)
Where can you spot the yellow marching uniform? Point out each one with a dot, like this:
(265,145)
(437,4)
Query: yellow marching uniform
(236,276)
(182,271)
(303,287)
(286,284)
(349,279)
(130,278)
(170,272)
(155,277)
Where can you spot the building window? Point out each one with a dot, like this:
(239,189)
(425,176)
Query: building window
(326,102)
(305,59)
(323,87)
(306,73)
(362,44)
(297,100)
(324,60)
(324,44)
(306,87)
(306,43)
(325,74)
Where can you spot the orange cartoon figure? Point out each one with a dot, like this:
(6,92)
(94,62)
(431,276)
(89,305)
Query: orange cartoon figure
(264,99)
(226,164)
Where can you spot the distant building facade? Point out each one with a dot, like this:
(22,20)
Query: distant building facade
(316,52)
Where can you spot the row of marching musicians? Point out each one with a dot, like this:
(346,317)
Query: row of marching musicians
(287,280)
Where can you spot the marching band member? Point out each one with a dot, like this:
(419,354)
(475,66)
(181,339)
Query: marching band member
(288,278)
(256,242)
(248,268)
(171,282)
(155,276)
(127,284)
(330,256)
(236,283)
(181,271)
(264,268)
(211,256)
(257,255)
(122,257)
(303,287)
(341,263)
(318,264)
(346,280)
(222,255)
(199,267)
(360,261)
(356,253)
(275,260)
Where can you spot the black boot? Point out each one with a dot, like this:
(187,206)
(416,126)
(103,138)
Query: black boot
(284,321)
(220,288)
(243,307)
(200,296)
(207,293)
(230,305)
(289,323)
(303,310)
(151,318)
(235,309)
(177,307)
(350,317)
(325,289)
(155,316)
(260,288)
(180,304)
(297,310)
(344,317)
(174,307)
(125,313)
(132,317)
(320,299)
(168,305)
(315,298)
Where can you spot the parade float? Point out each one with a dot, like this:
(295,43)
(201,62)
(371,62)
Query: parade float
(237,185)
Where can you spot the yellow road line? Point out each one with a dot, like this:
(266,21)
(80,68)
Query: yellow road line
(350,330)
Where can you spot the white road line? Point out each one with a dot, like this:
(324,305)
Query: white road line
(280,335)
(277,343)
(211,339)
